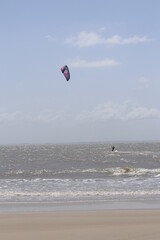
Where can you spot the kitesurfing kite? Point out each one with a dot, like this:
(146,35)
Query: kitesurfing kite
(65,71)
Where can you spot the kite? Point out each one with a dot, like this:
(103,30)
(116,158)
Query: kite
(65,71)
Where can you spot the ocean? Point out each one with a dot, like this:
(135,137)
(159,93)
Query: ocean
(77,173)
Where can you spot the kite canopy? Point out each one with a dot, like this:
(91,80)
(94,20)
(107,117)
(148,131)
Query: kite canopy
(65,71)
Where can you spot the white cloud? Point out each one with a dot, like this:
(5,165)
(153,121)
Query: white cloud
(143,113)
(78,63)
(9,117)
(110,111)
(88,39)
(16,117)
(117,40)
(101,113)
(143,82)
(102,29)
(50,38)
(85,39)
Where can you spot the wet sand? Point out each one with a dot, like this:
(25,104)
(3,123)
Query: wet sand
(84,225)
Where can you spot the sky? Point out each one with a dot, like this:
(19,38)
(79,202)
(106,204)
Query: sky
(112,49)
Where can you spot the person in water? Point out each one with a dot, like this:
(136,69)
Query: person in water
(113,147)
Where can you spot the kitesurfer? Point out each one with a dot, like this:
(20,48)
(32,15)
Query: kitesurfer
(113,147)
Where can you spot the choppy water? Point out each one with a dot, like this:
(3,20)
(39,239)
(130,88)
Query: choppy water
(79,172)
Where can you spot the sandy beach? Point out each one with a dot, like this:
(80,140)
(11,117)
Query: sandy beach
(112,225)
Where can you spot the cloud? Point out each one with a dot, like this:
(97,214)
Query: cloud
(101,113)
(78,63)
(16,117)
(50,38)
(143,82)
(143,113)
(124,112)
(117,40)
(88,39)
(102,29)
(85,39)
(9,117)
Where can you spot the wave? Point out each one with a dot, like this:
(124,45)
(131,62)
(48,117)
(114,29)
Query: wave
(77,194)
(135,171)
(83,173)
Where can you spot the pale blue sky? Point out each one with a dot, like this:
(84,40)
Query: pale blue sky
(112,48)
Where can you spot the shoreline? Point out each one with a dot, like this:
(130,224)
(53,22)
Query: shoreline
(37,207)
(71,225)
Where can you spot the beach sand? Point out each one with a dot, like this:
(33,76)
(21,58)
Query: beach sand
(84,225)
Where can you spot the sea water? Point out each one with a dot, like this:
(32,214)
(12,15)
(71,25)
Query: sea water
(72,173)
